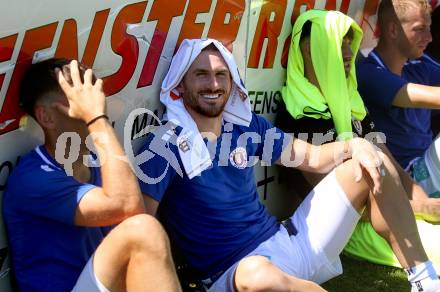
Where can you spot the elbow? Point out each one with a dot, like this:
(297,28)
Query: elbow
(134,207)
(128,207)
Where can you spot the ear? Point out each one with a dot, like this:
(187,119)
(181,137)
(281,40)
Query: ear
(44,117)
(393,29)
(180,88)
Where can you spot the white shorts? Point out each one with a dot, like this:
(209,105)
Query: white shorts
(88,281)
(325,221)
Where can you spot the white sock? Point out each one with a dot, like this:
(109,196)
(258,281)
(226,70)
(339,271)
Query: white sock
(423,277)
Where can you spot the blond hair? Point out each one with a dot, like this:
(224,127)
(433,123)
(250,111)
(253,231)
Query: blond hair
(396,10)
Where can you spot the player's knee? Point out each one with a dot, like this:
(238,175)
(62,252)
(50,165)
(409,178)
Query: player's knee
(345,175)
(143,233)
(357,192)
(253,274)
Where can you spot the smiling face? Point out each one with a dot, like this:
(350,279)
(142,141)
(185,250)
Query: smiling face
(207,84)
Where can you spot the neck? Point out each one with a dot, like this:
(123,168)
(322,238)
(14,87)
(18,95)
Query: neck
(207,124)
(391,56)
(80,171)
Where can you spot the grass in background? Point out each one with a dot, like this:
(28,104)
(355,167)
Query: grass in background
(366,277)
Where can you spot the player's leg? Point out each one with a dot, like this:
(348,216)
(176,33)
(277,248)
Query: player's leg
(390,212)
(391,216)
(135,256)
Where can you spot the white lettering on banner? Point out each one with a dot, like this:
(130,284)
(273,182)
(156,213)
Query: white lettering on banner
(225,23)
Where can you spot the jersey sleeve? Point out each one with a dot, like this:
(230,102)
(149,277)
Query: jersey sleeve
(48,193)
(160,167)
(377,85)
(273,140)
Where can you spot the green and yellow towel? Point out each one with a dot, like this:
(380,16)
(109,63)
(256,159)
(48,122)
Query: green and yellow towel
(338,97)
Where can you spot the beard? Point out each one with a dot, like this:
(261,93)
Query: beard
(208,110)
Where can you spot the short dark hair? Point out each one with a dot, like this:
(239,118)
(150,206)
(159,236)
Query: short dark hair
(40,80)
(392,10)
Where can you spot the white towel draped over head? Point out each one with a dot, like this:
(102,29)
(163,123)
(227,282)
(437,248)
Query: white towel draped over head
(192,149)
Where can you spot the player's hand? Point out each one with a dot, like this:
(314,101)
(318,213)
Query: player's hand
(365,157)
(86,99)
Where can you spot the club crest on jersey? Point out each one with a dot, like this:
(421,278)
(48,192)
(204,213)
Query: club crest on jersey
(238,157)
(183,144)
